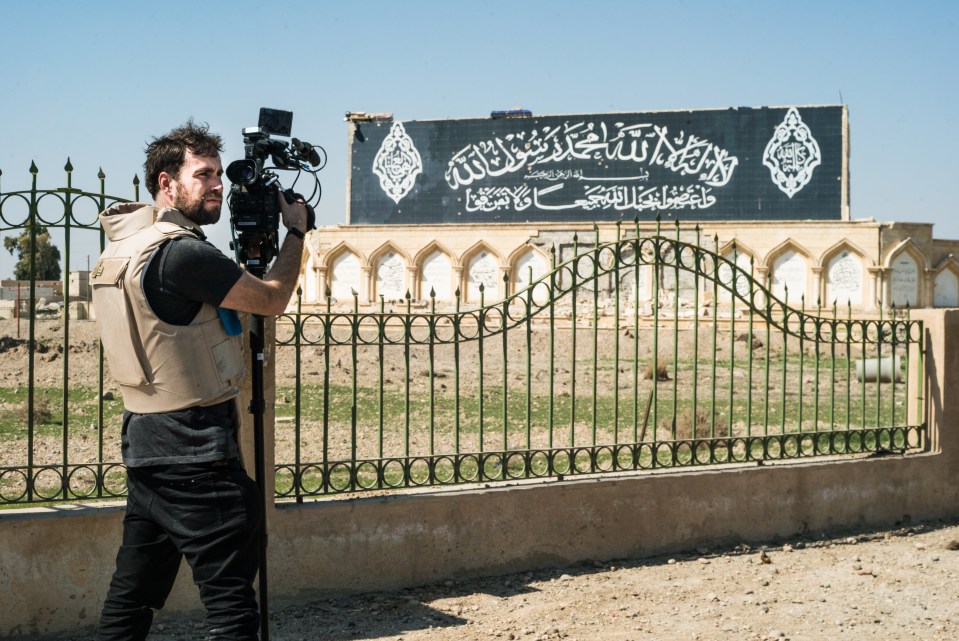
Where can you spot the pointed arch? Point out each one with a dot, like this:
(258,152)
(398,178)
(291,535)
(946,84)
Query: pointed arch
(906,266)
(949,262)
(786,246)
(745,258)
(946,283)
(906,245)
(386,248)
(482,264)
(740,248)
(331,254)
(344,271)
(845,268)
(845,245)
(433,246)
(389,268)
(789,268)
(525,257)
(435,266)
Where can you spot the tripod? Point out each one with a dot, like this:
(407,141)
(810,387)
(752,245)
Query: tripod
(257,409)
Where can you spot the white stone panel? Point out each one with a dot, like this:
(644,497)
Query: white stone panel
(946,292)
(789,271)
(529,262)
(437,276)
(484,269)
(725,274)
(390,277)
(628,283)
(904,281)
(311,285)
(345,277)
(844,282)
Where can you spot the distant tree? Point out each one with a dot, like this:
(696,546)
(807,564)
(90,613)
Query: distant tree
(46,261)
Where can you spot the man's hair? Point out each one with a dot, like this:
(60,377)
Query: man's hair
(168,152)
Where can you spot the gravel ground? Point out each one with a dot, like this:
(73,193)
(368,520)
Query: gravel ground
(899,584)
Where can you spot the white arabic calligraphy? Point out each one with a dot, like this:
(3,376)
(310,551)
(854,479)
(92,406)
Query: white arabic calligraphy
(397,163)
(595,197)
(685,155)
(792,154)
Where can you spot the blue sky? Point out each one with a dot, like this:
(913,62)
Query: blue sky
(94,81)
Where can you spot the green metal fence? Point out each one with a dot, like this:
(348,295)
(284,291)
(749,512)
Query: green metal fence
(578,374)
(59,425)
(648,351)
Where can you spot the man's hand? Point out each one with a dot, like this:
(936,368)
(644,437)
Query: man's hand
(295,214)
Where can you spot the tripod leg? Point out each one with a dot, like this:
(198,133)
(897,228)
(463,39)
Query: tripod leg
(257,408)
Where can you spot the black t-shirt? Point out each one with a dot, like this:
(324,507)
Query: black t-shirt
(183,274)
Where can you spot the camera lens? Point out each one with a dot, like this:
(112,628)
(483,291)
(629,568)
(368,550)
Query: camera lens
(242,172)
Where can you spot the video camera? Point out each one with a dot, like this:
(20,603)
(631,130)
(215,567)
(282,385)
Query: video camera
(254,212)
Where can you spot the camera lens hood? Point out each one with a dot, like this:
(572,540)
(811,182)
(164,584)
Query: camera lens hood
(242,172)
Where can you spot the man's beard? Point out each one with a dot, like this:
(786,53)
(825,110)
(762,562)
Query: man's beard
(197,209)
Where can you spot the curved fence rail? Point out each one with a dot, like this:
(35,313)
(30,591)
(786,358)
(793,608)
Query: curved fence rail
(640,353)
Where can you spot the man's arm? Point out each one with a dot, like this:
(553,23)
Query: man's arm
(270,296)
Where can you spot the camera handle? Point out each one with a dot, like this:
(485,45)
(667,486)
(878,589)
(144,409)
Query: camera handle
(291,197)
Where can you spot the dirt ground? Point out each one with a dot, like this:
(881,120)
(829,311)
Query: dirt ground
(901,584)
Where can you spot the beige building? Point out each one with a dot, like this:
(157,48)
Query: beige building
(863,263)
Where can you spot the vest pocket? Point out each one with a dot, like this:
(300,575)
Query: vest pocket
(117,324)
(229,361)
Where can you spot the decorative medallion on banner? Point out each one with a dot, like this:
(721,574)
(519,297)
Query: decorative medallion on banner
(397,163)
(792,154)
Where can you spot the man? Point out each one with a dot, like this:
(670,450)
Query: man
(163,297)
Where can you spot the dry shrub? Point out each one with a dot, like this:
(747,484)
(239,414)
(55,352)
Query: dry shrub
(662,372)
(684,425)
(42,411)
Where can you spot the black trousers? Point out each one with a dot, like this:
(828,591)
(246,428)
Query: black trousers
(210,515)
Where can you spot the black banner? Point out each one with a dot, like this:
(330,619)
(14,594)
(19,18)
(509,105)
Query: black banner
(770,163)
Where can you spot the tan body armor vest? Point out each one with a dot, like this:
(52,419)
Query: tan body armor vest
(160,367)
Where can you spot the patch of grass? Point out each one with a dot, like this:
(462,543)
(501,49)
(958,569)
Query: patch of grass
(48,411)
